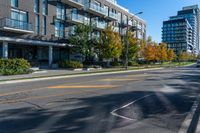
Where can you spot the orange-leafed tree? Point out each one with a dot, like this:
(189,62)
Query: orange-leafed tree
(150,52)
(162,52)
(170,55)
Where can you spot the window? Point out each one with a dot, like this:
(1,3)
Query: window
(44,7)
(60,11)
(37,24)
(44,25)
(106,9)
(14,3)
(125,19)
(59,29)
(36,6)
(119,17)
(19,15)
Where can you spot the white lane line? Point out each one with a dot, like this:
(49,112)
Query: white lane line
(124,117)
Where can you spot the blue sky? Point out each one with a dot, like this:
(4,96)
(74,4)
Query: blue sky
(155,12)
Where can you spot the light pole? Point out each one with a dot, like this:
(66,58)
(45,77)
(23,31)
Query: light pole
(132,28)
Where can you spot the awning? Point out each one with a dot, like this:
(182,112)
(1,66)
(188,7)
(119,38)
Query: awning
(31,42)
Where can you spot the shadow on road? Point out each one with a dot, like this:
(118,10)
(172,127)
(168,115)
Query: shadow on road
(92,114)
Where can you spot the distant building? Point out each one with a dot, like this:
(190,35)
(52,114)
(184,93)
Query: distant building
(38,30)
(182,32)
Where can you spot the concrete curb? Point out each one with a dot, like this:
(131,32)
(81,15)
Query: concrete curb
(73,76)
(191,123)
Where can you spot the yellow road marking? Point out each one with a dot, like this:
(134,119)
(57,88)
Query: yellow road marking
(37,89)
(48,96)
(82,86)
(43,88)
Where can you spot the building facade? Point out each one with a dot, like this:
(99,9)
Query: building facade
(182,32)
(38,30)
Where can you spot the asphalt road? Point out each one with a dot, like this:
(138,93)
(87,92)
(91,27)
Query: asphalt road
(156,101)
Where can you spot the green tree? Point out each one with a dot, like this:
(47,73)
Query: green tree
(133,49)
(198,56)
(82,41)
(183,56)
(110,45)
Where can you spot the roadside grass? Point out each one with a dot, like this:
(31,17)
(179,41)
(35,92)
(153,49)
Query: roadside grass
(119,69)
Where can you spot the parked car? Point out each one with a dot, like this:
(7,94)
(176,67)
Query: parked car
(198,63)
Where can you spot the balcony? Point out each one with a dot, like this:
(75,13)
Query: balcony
(99,25)
(73,3)
(112,16)
(124,23)
(17,26)
(95,9)
(75,18)
(123,32)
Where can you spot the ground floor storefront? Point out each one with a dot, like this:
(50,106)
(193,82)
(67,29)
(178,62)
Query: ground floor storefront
(37,55)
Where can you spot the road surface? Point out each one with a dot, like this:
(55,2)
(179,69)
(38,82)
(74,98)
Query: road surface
(156,101)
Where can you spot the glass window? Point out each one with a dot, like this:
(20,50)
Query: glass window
(44,25)
(14,3)
(59,29)
(44,7)
(60,11)
(37,24)
(19,15)
(36,6)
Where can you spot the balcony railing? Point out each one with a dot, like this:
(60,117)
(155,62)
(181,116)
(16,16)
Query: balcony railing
(96,9)
(75,18)
(72,3)
(113,15)
(99,25)
(11,24)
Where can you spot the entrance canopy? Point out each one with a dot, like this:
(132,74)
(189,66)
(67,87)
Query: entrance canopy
(31,42)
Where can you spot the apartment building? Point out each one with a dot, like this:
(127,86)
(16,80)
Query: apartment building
(182,32)
(38,30)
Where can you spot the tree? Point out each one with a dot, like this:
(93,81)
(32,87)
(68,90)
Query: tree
(150,52)
(149,39)
(142,45)
(198,56)
(133,49)
(81,40)
(183,56)
(170,55)
(162,52)
(110,45)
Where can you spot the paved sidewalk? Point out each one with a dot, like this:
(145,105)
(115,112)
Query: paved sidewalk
(62,72)
(45,73)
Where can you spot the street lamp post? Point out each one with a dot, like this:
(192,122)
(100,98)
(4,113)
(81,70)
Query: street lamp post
(133,28)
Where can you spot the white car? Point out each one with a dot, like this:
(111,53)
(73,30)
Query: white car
(198,63)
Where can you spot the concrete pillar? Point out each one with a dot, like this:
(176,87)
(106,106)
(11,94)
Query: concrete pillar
(50,55)
(5,50)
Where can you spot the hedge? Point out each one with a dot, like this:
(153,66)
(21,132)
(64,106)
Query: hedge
(14,66)
(70,64)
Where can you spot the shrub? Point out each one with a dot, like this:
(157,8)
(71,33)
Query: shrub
(70,64)
(14,66)
(132,63)
(116,64)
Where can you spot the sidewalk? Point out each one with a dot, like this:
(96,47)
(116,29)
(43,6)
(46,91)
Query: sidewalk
(43,73)
(60,73)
